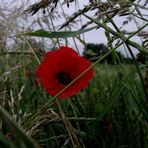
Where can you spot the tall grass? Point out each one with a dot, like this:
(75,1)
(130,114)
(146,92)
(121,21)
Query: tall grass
(110,113)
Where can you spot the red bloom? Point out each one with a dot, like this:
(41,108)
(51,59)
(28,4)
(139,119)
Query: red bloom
(59,68)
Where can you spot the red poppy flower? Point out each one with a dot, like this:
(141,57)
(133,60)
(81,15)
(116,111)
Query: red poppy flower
(59,68)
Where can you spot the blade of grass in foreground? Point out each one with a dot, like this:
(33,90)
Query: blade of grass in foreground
(56,34)
(5,143)
(22,140)
(123,38)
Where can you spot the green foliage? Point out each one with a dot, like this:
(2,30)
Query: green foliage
(21,138)
(111,113)
(94,51)
(60,34)
(102,115)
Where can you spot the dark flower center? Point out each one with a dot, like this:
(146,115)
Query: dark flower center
(63,78)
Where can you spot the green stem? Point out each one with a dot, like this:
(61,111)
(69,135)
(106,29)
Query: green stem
(132,55)
(31,119)
(138,70)
(69,28)
(123,38)
(53,26)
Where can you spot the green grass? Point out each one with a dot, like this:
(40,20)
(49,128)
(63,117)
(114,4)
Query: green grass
(111,112)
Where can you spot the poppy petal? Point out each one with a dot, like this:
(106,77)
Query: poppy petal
(67,62)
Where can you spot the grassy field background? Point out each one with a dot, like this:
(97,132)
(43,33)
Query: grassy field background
(110,113)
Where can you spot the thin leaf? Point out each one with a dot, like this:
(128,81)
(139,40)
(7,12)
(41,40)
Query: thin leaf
(60,34)
(22,139)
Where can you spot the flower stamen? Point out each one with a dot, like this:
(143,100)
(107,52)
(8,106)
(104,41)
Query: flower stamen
(63,78)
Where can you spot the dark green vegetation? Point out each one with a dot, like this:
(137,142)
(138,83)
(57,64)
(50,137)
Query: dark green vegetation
(111,113)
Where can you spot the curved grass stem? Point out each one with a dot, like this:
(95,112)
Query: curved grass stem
(119,35)
(47,104)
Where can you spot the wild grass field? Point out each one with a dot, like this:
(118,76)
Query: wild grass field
(111,112)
